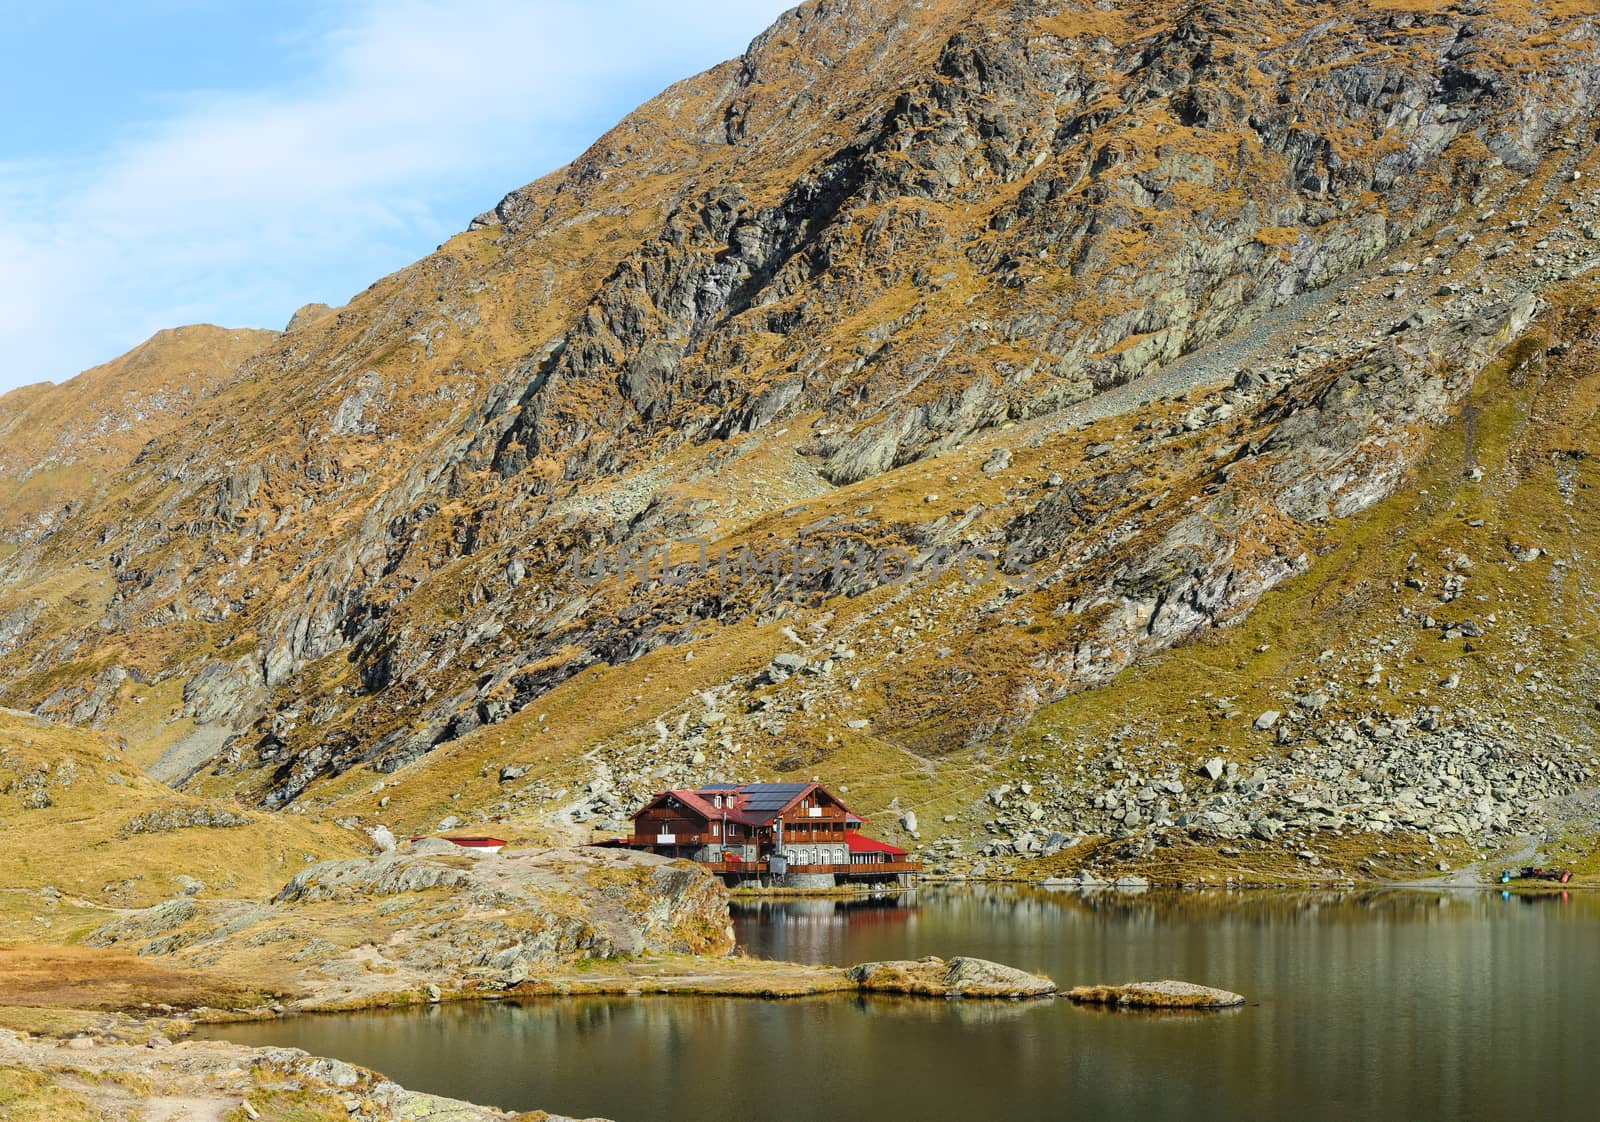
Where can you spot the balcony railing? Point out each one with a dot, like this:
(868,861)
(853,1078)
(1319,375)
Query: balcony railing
(859,869)
(650,840)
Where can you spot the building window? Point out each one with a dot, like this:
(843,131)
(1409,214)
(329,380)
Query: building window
(715,826)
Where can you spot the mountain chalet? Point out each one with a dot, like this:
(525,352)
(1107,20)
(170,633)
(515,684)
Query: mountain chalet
(799,834)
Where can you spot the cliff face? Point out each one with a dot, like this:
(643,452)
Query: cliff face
(979,349)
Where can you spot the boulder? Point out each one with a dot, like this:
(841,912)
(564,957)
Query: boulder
(784,666)
(958,977)
(998,461)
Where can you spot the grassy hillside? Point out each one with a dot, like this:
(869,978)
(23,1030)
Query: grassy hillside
(87,834)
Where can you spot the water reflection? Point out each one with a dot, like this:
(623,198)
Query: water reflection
(1382,1004)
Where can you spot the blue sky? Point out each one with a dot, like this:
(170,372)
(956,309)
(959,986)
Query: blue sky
(179,161)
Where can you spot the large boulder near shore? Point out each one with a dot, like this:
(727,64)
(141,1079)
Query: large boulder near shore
(958,977)
(1166,994)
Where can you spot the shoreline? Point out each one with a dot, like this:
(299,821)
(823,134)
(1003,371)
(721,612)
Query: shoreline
(160,1044)
(655,975)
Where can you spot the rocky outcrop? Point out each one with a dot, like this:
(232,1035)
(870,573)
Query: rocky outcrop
(1156,995)
(433,914)
(186,817)
(214,1078)
(958,977)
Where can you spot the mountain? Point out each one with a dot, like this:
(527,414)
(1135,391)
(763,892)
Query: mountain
(998,409)
(57,442)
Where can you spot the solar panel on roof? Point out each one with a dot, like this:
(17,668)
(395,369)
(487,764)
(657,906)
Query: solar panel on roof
(771,796)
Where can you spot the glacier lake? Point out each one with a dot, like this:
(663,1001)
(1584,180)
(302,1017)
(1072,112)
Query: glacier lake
(1385,1003)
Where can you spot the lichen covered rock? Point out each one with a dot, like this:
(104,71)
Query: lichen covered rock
(1166,994)
(957,977)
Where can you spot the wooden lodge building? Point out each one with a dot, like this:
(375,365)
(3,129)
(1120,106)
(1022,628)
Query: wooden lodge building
(799,832)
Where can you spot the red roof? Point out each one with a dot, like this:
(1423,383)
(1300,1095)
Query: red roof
(695,802)
(860,843)
(749,804)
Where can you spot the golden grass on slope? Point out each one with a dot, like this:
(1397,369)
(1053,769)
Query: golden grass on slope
(69,861)
(58,442)
(42,976)
(35,1096)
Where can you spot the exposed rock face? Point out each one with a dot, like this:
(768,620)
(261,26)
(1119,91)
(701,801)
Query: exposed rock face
(1225,268)
(184,818)
(433,914)
(1156,995)
(959,977)
(211,1078)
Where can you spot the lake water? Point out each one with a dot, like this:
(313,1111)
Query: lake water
(1398,1004)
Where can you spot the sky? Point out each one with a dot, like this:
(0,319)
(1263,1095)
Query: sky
(165,162)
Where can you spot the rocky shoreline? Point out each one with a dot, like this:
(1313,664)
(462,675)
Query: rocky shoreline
(83,1078)
(87,1066)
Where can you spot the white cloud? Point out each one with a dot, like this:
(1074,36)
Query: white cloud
(239,208)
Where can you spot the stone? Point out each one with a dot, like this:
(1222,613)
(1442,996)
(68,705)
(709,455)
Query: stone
(1422,317)
(1166,994)
(1213,768)
(909,821)
(959,977)
(1267,720)
(1267,828)
(512,771)
(784,666)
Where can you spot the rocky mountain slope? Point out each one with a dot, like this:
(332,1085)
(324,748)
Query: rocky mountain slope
(881,405)
(59,444)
